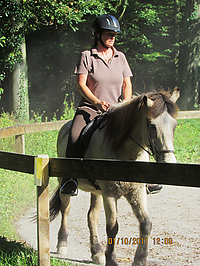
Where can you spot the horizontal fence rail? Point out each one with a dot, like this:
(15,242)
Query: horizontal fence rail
(30,128)
(129,171)
(47,126)
(188,114)
(20,130)
(17,162)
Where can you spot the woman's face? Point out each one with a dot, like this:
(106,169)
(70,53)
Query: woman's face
(108,37)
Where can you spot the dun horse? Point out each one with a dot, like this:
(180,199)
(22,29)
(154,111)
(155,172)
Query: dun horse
(145,123)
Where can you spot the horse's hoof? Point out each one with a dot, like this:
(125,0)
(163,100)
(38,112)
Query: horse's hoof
(111,260)
(111,263)
(62,250)
(139,263)
(99,258)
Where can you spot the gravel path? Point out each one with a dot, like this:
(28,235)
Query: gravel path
(175,213)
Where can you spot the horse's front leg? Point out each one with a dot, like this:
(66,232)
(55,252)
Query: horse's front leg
(111,229)
(138,203)
(96,203)
(63,232)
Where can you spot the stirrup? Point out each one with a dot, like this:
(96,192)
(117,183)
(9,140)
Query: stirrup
(69,188)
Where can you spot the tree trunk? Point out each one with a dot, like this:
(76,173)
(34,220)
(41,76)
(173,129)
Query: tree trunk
(189,73)
(18,87)
(19,102)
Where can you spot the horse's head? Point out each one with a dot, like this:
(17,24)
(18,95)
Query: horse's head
(161,123)
(146,121)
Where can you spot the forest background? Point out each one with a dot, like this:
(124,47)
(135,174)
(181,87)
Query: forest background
(40,43)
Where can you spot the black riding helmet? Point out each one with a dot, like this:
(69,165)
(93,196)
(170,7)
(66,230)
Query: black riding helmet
(105,22)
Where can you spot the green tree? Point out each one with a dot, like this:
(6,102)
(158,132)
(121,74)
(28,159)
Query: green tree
(13,56)
(156,38)
(189,54)
(18,18)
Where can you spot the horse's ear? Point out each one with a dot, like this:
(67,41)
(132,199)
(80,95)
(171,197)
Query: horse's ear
(148,102)
(175,94)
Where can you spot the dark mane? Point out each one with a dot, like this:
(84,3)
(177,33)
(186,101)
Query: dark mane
(161,104)
(123,118)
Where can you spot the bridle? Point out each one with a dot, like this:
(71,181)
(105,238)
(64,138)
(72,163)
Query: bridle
(155,152)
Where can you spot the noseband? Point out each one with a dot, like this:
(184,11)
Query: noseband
(155,152)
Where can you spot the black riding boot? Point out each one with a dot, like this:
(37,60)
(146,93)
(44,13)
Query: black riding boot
(153,188)
(69,188)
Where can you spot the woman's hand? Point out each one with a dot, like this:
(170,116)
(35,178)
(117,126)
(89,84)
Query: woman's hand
(103,106)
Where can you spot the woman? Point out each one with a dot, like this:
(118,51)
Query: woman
(103,74)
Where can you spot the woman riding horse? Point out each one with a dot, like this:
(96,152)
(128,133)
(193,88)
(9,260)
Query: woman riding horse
(102,74)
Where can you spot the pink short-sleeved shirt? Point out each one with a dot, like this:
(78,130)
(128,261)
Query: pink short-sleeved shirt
(104,80)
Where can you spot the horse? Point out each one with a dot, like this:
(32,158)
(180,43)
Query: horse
(133,130)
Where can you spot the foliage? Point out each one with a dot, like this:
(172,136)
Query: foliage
(23,16)
(149,40)
(11,34)
(13,253)
(155,38)
(1,92)
(18,254)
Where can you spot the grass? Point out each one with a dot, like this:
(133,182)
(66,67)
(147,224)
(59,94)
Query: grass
(18,193)
(14,253)
(187,142)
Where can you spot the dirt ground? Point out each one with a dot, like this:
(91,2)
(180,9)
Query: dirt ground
(175,213)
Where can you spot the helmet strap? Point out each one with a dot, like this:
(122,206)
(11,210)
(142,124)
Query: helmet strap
(101,42)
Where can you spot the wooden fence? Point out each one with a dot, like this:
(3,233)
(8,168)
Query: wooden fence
(19,131)
(44,167)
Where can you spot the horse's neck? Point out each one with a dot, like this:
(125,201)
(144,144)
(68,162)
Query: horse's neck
(139,130)
(131,148)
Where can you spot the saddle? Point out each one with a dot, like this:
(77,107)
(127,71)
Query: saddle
(87,132)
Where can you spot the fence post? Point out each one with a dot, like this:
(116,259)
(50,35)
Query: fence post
(20,143)
(43,235)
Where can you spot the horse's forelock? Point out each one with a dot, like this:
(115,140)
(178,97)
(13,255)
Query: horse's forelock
(161,104)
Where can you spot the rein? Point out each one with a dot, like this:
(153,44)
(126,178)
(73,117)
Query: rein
(151,154)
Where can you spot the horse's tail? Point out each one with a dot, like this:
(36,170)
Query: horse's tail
(54,205)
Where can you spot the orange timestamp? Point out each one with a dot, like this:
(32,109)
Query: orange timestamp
(162,241)
(139,241)
(127,241)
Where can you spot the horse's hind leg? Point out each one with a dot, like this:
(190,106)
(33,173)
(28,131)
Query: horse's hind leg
(96,203)
(63,233)
(138,203)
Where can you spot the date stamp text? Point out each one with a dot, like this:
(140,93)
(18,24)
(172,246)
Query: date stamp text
(139,241)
